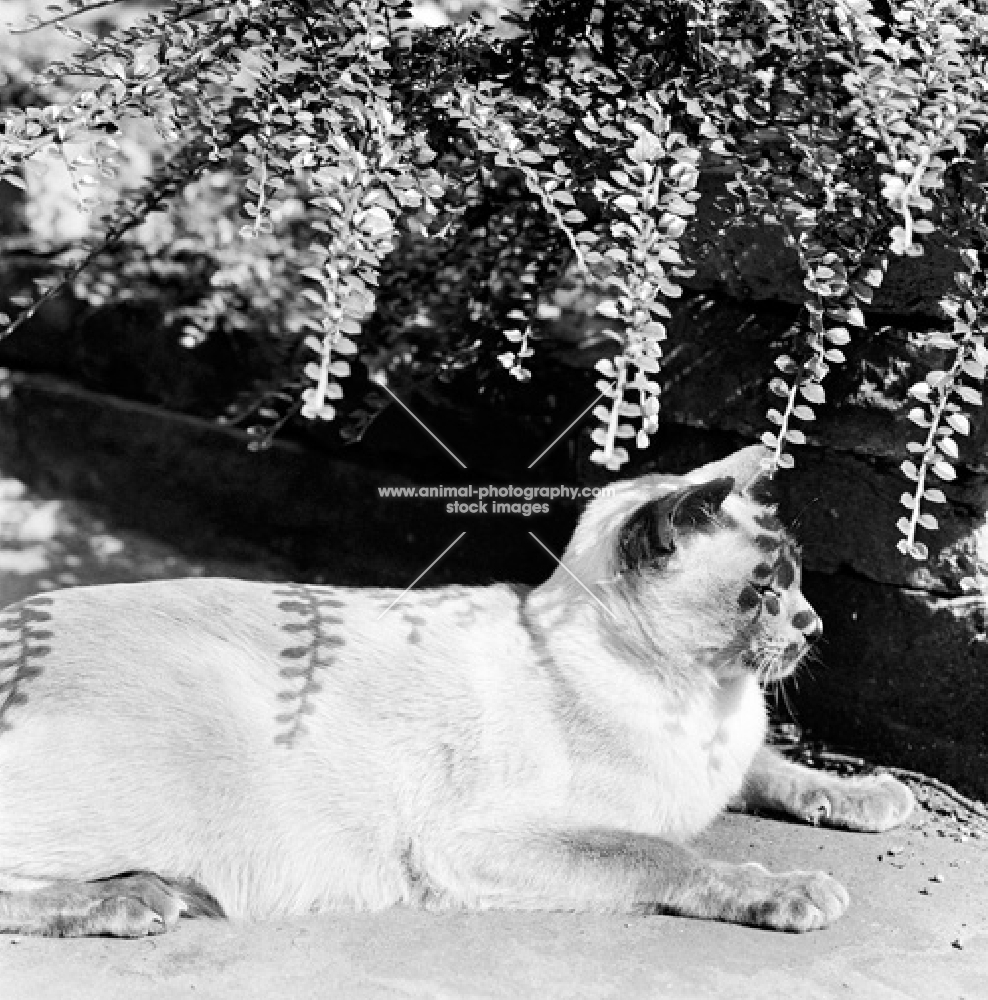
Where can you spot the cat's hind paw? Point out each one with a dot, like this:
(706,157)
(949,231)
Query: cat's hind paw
(870,804)
(126,906)
(121,916)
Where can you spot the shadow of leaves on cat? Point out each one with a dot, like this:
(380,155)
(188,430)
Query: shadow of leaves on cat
(20,651)
(319,651)
(546,748)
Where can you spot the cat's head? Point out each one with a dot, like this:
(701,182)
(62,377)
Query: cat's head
(701,564)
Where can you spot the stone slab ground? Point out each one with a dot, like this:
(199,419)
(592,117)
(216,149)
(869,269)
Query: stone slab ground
(917,927)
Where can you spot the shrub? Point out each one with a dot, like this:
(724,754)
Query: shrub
(423,192)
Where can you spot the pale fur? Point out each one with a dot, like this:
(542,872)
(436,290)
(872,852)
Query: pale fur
(436,740)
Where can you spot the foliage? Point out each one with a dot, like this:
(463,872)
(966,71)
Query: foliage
(413,196)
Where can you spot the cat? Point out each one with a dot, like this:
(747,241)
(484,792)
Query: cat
(218,747)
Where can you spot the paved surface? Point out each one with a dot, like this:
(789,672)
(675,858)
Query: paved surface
(917,927)
(905,935)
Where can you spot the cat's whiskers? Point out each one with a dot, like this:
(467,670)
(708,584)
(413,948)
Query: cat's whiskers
(770,662)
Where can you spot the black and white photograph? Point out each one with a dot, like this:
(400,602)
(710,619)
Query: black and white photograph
(493,499)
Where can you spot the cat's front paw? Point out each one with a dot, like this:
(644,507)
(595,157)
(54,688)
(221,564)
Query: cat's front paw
(871,804)
(793,901)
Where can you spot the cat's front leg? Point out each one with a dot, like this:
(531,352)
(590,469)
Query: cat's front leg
(612,871)
(873,803)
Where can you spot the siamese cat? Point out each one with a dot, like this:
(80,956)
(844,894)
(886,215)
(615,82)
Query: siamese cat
(218,747)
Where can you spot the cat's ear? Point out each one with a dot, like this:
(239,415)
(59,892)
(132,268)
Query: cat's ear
(650,533)
(749,468)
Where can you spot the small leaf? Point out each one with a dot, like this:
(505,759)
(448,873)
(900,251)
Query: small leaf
(949,447)
(813,392)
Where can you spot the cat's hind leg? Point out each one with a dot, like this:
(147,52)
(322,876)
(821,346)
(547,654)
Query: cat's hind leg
(136,904)
(872,804)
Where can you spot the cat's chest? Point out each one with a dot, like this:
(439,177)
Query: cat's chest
(671,770)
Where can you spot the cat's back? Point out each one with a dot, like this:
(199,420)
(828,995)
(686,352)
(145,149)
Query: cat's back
(223,647)
(159,637)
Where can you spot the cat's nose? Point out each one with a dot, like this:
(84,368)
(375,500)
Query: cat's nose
(808,622)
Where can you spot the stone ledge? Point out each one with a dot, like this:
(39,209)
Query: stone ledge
(190,480)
